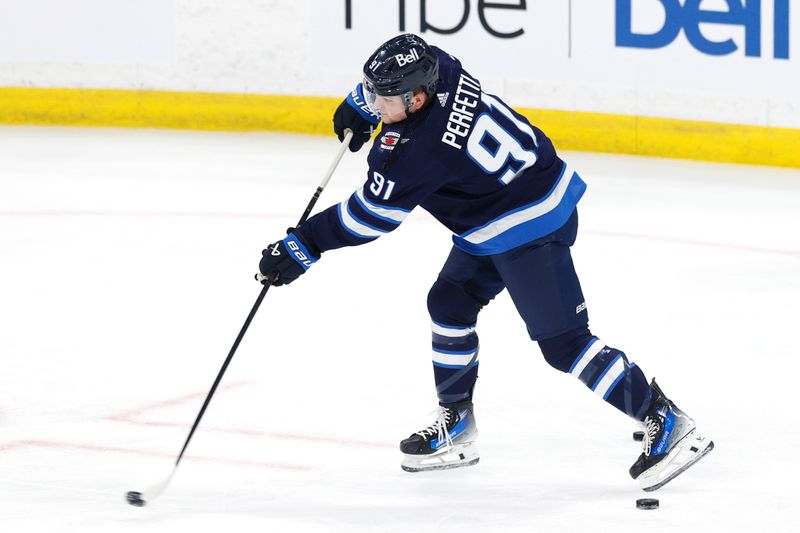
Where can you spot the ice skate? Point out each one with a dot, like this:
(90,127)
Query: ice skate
(448,443)
(671,444)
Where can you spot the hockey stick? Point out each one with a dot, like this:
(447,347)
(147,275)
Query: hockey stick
(138,499)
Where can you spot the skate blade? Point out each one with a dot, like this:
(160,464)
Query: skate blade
(444,466)
(460,457)
(687,452)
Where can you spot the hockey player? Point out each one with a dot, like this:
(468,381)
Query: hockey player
(495,181)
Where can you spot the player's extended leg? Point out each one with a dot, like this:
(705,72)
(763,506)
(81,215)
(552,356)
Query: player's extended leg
(464,286)
(542,282)
(603,369)
(671,443)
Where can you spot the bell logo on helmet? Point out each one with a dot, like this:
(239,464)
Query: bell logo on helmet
(405,59)
(402,65)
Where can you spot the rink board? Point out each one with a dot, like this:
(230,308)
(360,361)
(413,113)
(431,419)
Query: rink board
(570,130)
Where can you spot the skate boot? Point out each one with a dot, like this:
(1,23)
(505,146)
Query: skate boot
(448,443)
(671,444)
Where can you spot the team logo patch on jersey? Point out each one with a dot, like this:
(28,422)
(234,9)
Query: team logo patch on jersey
(389,140)
(443,98)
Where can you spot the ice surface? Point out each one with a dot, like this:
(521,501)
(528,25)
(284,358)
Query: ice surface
(126,271)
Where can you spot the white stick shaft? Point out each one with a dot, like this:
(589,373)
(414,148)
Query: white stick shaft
(345,143)
(335,163)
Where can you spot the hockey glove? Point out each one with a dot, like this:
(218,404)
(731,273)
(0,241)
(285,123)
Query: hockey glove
(286,260)
(354,114)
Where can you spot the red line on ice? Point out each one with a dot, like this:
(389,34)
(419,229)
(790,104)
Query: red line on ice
(133,417)
(269,434)
(112,449)
(127,416)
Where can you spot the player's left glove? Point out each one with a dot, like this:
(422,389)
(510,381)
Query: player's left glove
(286,260)
(354,114)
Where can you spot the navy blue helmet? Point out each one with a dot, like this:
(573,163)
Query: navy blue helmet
(401,66)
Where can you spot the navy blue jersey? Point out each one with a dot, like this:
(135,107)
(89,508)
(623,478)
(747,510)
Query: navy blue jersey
(468,159)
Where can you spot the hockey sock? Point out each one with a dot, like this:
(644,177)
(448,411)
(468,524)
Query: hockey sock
(605,370)
(454,313)
(455,361)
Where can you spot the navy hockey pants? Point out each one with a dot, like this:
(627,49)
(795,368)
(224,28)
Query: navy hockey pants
(541,280)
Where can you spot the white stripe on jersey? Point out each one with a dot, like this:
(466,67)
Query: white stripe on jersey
(453,358)
(592,349)
(390,213)
(355,226)
(614,371)
(451,331)
(550,202)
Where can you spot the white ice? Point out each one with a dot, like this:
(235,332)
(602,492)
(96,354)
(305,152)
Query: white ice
(126,271)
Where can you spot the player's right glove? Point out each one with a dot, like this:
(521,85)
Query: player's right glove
(354,114)
(284,261)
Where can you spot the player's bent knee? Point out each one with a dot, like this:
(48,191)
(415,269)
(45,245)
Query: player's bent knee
(450,304)
(561,351)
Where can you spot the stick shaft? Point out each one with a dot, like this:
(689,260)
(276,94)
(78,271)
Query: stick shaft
(222,370)
(326,179)
(261,295)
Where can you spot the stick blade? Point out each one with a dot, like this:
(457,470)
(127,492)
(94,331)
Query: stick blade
(140,499)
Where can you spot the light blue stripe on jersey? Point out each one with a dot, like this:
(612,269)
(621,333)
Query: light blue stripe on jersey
(526,223)
(454,367)
(355,226)
(454,352)
(610,377)
(395,215)
(454,359)
(614,384)
(591,349)
(341,221)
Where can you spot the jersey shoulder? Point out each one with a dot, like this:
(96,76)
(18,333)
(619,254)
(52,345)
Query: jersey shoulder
(461,106)
(455,105)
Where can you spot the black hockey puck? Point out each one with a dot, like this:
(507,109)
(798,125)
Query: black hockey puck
(135,499)
(647,503)
(638,436)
